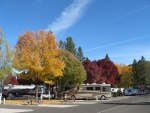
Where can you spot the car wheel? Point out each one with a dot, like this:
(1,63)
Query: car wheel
(103,97)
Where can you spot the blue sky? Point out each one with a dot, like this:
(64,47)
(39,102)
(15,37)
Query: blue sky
(119,28)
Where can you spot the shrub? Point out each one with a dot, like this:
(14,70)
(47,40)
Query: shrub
(115,94)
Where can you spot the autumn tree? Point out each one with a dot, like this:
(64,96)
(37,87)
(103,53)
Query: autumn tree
(109,71)
(37,56)
(25,81)
(94,73)
(101,71)
(6,56)
(74,72)
(10,79)
(125,74)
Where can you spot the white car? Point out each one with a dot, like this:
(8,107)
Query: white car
(46,96)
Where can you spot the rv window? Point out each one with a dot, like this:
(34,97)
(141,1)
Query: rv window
(105,89)
(89,88)
(97,88)
(129,90)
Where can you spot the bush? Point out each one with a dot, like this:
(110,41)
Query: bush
(115,94)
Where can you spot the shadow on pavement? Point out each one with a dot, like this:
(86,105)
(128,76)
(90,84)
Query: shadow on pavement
(137,103)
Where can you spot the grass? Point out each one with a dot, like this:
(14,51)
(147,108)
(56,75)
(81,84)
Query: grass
(34,102)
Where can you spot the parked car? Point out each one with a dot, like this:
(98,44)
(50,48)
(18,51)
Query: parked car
(46,96)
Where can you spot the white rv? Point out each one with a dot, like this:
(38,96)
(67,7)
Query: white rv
(14,90)
(134,91)
(90,91)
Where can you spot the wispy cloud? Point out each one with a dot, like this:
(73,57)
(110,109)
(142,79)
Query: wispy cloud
(69,16)
(123,16)
(127,55)
(121,42)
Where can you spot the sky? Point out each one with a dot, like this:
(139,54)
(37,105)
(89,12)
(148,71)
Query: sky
(119,28)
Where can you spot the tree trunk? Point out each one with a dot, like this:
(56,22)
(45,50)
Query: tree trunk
(49,93)
(36,89)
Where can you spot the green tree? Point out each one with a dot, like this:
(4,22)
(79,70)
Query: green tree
(74,73)
(80,54)
(134,71)
(69,45)
(107,57)
(6,56)
(148,73)
(142,58)
(141,72)
(62,45)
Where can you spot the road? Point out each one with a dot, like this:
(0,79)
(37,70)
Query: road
(131,104)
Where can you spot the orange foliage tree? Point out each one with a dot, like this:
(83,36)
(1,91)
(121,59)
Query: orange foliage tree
(125,74)
(37,55)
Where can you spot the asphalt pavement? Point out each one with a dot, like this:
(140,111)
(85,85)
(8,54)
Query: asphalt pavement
(125,104)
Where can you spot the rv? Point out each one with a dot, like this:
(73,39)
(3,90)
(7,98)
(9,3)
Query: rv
(134,91)
(20,90)
(130,92)
(89,91)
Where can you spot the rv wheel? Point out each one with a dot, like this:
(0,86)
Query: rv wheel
(73,98)
(103,97)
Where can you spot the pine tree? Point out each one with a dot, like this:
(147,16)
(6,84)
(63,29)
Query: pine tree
(134,70)
(142,58)
(80,54)
(62,45)
(70,46)
(107,57)
(141,72)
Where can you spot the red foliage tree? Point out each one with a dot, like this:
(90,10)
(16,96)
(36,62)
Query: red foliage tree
(94,74)
(11,80)
(109,71)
